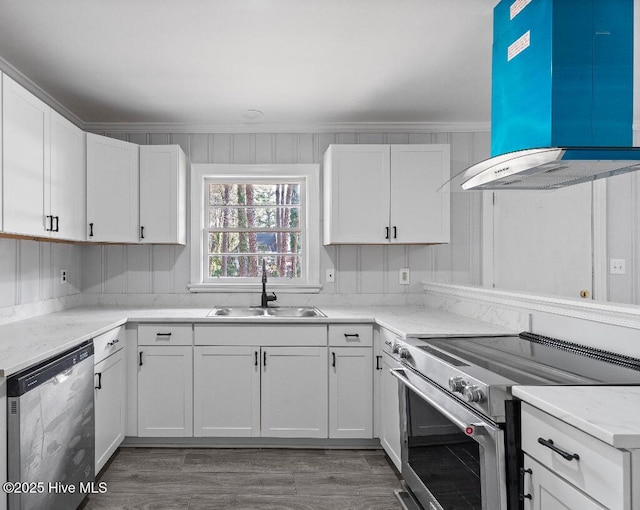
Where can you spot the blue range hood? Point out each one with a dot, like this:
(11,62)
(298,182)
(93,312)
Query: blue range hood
(562,95)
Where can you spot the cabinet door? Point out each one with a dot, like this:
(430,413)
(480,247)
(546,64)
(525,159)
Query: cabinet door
(112,190)
(356,194)
(226,393)
(419,213)
(350,392)
(110,406)
(67,182)
(163,176)
(390,412)
(550,492)
(26,143)
(294,392)
(165,391)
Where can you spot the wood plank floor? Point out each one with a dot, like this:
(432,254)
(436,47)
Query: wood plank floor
(247,479)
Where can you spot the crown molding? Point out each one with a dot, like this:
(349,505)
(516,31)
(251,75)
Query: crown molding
(287,127)
(40,93)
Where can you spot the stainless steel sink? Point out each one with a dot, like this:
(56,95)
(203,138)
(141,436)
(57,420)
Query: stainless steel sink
(256,311)
(306,311)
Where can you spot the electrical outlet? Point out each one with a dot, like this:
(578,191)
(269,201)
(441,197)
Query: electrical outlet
(330,276)
(63,276)
(404,277)
(617,266)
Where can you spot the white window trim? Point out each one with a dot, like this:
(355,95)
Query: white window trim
(308,173)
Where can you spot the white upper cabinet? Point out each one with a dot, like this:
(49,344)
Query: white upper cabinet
(26,160)
(112,190)
(66,195)
(163,181)
(378,194)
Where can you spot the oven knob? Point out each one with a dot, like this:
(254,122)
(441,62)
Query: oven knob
(403,352)
(457,384)
(472,393)
(395,347)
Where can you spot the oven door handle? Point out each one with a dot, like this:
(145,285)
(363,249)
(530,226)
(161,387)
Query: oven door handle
(470,429)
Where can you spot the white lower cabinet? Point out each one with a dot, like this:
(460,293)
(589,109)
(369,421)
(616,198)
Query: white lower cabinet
(350,392)
(294,392)
(109,394)
(226,391)
(165,391)
(386,398)
(351,381)
(547,491)
(566,468)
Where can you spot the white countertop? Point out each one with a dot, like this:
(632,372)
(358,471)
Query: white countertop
(609,413)
(27,342)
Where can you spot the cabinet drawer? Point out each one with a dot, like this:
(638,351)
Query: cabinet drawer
(106,344)
(260,335)
(165,334)
(602,472)
(350,335)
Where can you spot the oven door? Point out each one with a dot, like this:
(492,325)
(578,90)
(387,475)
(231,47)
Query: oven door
(452,458)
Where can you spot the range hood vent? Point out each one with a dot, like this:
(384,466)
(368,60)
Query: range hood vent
(562,95)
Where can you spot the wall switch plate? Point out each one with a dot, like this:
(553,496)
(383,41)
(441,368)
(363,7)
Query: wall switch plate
(63,276)
(404,277)
(617,266)
(330,276)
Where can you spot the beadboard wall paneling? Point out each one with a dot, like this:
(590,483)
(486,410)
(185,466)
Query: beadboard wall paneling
(358,269)
(30,271)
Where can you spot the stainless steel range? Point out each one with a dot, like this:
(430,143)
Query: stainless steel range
(459,423)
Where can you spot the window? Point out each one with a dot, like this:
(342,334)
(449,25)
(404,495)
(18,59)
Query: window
(244,215)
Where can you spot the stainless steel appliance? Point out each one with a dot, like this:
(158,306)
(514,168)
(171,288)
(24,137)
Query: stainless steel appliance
(459,423)
(51,432)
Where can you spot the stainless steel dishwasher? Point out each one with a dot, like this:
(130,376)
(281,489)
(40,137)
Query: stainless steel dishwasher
(51,437)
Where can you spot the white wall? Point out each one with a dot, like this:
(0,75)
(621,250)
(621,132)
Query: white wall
(360,270)
(30,276)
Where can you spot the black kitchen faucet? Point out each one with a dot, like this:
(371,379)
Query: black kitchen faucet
(264,303)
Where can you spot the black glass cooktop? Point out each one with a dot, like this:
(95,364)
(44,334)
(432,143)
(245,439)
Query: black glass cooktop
(535,359)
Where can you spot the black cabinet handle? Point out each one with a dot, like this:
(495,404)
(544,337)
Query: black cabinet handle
(90,229)
(378,360)
(141,232)
(256,363)
(386,235)
(99,385)
(565,455)
(352,335)
(522,496)
(395,232)
(333,359)
(49,221)
(57,229)
(264,359)
(140,361)
(163,334)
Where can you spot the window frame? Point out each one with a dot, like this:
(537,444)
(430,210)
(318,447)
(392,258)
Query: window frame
(308,175)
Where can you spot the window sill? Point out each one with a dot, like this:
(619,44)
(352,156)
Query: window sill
(254,287)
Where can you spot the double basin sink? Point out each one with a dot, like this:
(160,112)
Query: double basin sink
(258,311)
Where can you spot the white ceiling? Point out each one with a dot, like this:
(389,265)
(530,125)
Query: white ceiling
(299,61)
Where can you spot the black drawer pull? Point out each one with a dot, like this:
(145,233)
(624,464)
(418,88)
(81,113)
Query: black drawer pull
(333,359)
(140,362)
(395,232)
(49,226)
(141,232)
(112,343)
(352,335)
(378,360)
(549,444)
(256,353)
(386,235)
(99,385)
(90,229)
(264,359)
(57,229)
(522,496)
